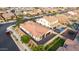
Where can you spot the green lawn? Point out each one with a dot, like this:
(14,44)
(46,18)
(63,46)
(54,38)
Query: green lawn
(25,39)
(38,48)
(56,44)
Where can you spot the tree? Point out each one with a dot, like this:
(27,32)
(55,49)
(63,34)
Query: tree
(49,11)
(54,12)
(37,14)
(43,12)
(25,39)
(19,21)
(13,11)
(36,7)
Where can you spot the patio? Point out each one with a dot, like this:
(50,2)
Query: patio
(46,39)
(59,29)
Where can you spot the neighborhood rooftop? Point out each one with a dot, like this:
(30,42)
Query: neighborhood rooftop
(50,18)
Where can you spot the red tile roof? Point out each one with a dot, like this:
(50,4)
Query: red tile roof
(34,28)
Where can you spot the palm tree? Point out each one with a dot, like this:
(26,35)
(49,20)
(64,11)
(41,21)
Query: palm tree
(19,21)
(54,12)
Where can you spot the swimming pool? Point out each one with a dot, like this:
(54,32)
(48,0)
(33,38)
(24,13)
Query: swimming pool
(59,29)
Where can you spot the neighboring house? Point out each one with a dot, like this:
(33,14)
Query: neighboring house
(63,19)
(69,34)
(1,17)
(47,9)
(48,21)
(2,11)
(72,13)
(70,45)
(40,34)
(33,12)
(9,15)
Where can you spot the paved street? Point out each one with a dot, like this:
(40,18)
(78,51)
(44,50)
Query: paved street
(6,42)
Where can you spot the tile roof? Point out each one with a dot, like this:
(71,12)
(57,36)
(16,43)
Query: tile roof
(34,28)
(8,15)
(63,18)
(50,18)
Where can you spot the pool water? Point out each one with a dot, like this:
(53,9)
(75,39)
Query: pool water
(58,30)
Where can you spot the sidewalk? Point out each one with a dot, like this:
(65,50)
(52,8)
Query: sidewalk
(18,43)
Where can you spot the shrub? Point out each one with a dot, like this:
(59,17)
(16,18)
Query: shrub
(25,38)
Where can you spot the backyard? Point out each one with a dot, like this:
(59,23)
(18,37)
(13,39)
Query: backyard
(55,44)
(69,34)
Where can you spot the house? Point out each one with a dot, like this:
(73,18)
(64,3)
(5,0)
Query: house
(1,17)
(32,12)
(63,19)
(71,13)
(48,21)
(2,11)
(69,34)
(69,45)
(8,15)
(40,34)
(49,9)
(74,13)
